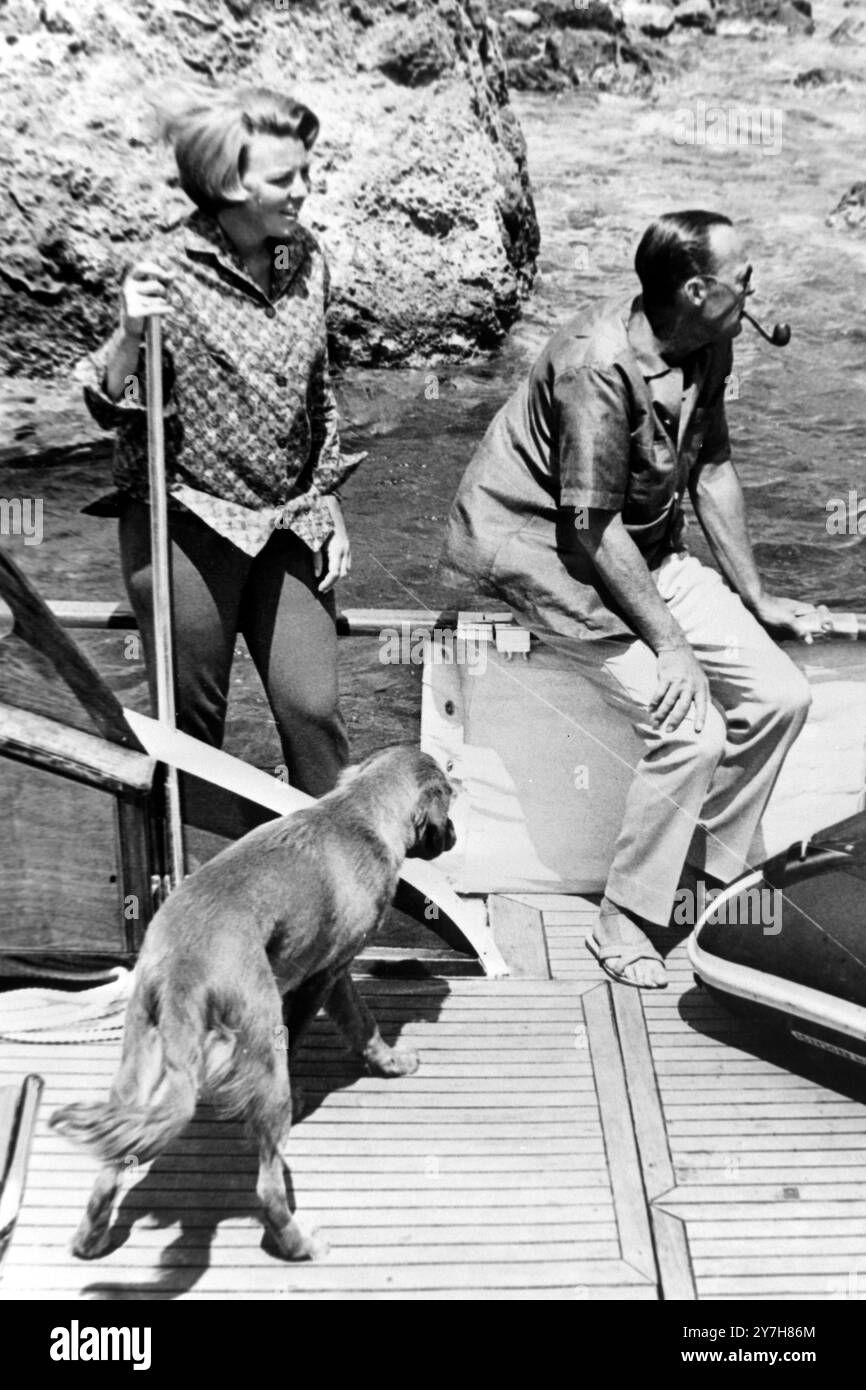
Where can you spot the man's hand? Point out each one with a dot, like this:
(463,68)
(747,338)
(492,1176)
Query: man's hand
(335,557)
(803,620)
(682,682)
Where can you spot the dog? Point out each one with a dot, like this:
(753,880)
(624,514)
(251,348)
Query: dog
(244,953)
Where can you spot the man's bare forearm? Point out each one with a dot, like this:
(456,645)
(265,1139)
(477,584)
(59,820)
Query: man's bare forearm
(718,502)
(627,578)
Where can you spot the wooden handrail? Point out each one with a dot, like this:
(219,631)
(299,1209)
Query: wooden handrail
(45,743)
(353,622)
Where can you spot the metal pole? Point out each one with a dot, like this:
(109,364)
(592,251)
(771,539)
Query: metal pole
(162,623)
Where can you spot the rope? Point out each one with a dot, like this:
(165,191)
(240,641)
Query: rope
(56,1016)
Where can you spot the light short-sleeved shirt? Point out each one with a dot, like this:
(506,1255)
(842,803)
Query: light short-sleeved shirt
(603,421)
(251,434)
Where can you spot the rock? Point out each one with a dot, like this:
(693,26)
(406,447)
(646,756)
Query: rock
(53,16)
(794,15)
(421,197)
(411,54)
(362,12)
(651,19)
(738,28)
(536,75)
(20,17)
(523,19)
(586,49)
(850,211)
(696,14)
(819,77)
(851,30)
(581,14)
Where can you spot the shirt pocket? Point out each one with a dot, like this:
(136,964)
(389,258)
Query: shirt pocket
(652,479)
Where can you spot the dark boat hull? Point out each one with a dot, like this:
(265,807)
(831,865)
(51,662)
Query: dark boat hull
(787,944)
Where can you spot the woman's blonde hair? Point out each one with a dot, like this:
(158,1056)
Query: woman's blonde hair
(210,131)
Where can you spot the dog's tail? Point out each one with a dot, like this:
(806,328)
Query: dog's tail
(167,1048)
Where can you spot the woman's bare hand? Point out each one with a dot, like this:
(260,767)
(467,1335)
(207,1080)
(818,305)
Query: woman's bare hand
(143,293)
(335,557)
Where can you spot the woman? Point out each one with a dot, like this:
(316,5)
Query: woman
(253,458)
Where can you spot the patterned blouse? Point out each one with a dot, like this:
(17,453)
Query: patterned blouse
(251,438)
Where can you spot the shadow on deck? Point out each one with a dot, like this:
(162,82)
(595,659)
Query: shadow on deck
(562,1140)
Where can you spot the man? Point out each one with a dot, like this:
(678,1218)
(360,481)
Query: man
(571,511)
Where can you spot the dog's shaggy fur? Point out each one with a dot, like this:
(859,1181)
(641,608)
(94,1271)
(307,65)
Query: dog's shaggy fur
(243,954)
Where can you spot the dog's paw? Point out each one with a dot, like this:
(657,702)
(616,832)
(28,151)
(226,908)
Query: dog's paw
(394,1061)
(313,1248)
(291,1243)
(90,1242)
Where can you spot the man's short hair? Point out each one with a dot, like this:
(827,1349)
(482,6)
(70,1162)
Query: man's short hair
(672,249)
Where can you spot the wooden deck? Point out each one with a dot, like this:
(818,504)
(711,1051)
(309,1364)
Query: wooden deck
(563,1140)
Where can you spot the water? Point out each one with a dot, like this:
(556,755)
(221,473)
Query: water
(602,167)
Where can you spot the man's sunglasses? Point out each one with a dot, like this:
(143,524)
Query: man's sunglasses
(744,294)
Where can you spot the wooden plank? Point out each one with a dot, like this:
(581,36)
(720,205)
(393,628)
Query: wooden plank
(650,1133)
(391,961)
(33,1261)
(191,1156)
(676,1277)
(215,1176)
(58,873)
(673,1255)
(334,1278)
(209,1210)
(781,1243)
(764,1134)
(636,1293)
(415,1097)
(764,1204)
(560,902)
(43,743)
(729,1084)
(433,1076)
(622,1156)
(509,993)
(518,931)
(796,1224)
(139,860)
(847,1185)
(389,1227)
(351,622)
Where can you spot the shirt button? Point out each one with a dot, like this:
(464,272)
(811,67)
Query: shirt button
(271,312)
(281,379)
